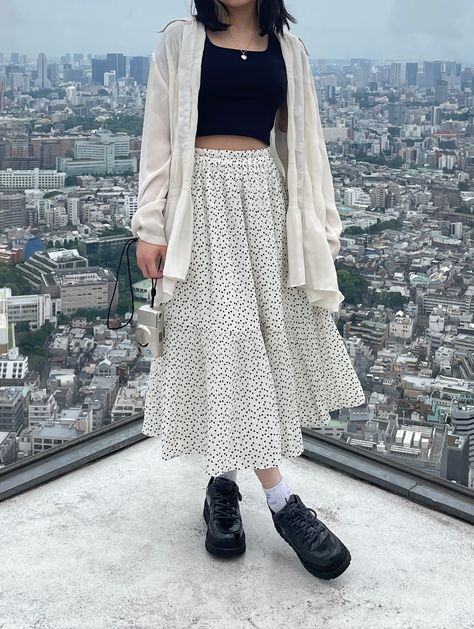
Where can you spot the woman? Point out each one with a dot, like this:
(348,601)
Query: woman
(236,198)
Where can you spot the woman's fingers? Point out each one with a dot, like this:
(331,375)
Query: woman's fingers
(153,271)
(150,259)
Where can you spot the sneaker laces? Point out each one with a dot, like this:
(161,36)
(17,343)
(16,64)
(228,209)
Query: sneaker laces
(224,507)
(307,525)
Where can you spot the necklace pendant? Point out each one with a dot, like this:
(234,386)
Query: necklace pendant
(244,56)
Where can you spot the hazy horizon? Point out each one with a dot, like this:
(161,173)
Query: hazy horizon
(394,30)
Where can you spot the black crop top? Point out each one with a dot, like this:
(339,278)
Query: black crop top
(241,97)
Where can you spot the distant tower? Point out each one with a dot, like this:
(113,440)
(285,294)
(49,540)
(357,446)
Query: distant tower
(2,94)
(42,67)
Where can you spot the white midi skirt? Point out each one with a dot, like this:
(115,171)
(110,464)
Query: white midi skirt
(247,361)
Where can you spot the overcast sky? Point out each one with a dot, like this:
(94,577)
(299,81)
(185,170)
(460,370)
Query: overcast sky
(377,29)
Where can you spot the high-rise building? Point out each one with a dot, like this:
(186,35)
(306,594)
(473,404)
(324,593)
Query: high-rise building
(139,69)
(452,74)
(53,73)
(116,61)
(72,96)
(396,75)
(462,419)
(67,72)
(42,69)
(396,114)
(361,69)
(432,71)
(73,210)
(2,95)
(110,79)
(130,206)
(56,217)
(12,210)
(99,68)
(412,74)
(441,92)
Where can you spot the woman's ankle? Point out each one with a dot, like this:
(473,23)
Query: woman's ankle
(268,477)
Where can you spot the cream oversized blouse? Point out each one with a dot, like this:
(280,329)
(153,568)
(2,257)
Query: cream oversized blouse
(165,209)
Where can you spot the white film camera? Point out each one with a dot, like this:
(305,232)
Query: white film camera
(150,330)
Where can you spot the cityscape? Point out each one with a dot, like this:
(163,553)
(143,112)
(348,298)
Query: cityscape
(400,139)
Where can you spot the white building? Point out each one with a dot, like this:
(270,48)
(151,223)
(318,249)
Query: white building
(73,210)
(130,400)
(142,290)
(100,154)
(130,205)
(35,309)
(35,178)
(4,327)
(13,366)
(76,289)
(401,326)
(42,407)
(72,96)
(56,217)
(356,197)
(41,206)
(20,81)
(110,79)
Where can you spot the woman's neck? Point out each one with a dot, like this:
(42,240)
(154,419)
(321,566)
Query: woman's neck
(243,19)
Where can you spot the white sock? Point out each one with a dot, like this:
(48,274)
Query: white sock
(231,475)
(278,496)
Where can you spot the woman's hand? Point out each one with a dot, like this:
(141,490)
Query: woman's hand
(147,259)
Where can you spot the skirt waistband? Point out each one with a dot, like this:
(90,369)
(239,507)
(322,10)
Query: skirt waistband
(261,154)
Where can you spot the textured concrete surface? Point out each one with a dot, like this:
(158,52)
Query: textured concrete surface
(120,544)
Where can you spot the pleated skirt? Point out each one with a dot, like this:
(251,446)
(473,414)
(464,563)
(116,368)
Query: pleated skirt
(247,361)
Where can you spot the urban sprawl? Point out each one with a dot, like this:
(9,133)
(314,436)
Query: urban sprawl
(400,139)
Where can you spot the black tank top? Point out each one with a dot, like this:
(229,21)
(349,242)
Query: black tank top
(241,97)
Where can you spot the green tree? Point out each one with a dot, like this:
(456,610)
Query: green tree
(11,278)
(352,285)
(389,299)
(33,344)
(70,180)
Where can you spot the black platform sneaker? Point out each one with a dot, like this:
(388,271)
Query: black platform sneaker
(225,534)
(320,551)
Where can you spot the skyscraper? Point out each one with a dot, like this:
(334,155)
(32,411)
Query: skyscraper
(42,68)
(139,68)
(412,73)
(116,61)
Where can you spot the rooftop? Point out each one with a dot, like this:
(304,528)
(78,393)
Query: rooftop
(120,544)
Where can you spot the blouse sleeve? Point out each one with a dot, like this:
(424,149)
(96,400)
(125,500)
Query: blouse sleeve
(333,219)
(155,156)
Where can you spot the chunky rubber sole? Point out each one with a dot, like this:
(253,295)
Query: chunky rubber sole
(220,551)
(320,572)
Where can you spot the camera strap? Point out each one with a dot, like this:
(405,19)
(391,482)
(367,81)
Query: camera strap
(154,281)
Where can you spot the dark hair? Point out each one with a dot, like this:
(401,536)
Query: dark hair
(273,15)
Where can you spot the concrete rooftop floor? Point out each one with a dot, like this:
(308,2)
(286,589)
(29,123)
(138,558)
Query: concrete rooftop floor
(119,543)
